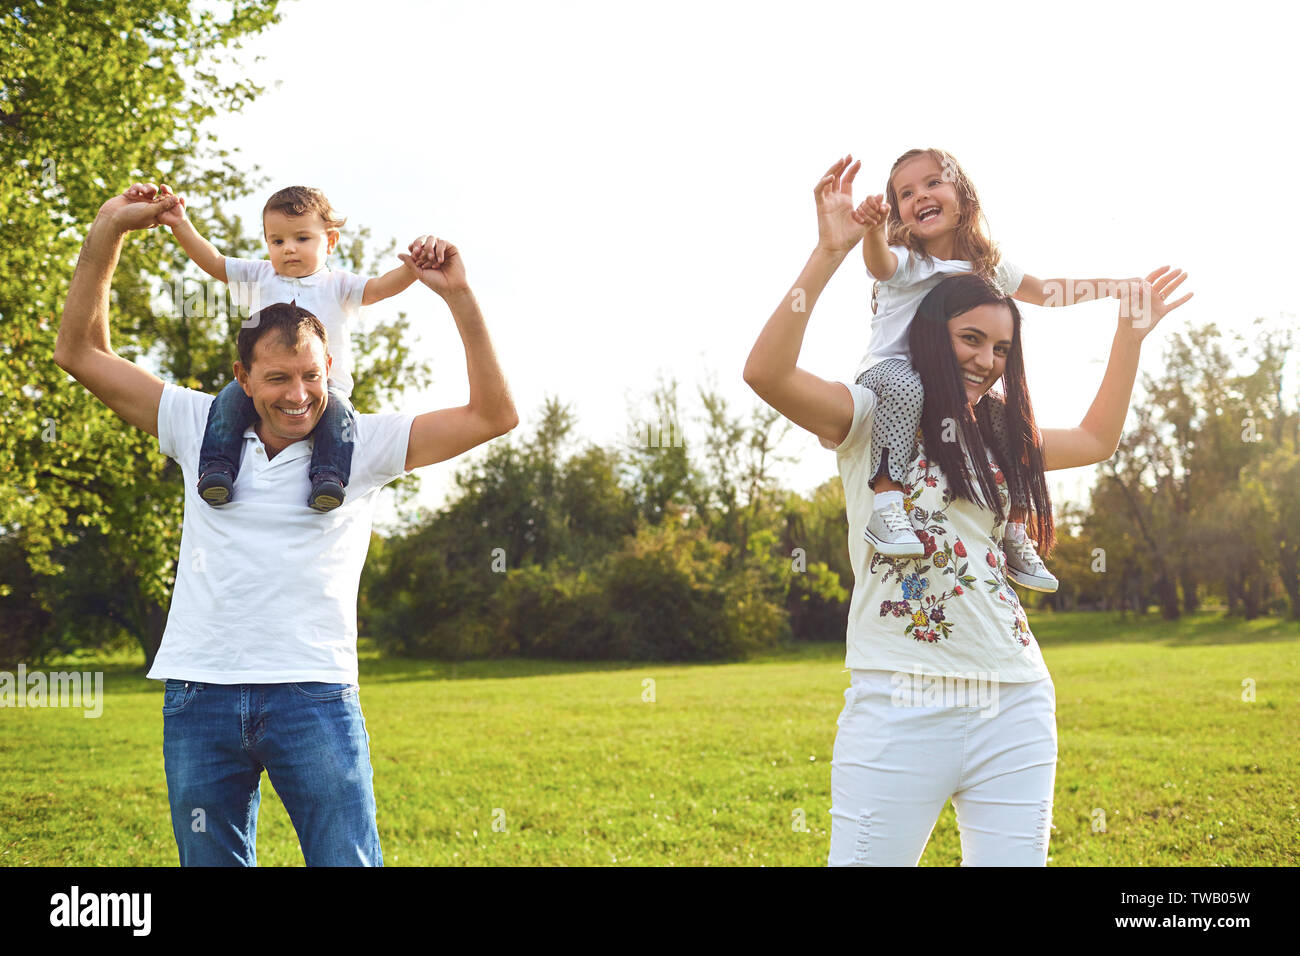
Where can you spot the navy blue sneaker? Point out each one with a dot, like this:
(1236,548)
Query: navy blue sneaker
(326,495)
(216,487)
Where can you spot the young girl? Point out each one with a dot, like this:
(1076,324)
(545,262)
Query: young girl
(301,230)
(987,740)
(932,227)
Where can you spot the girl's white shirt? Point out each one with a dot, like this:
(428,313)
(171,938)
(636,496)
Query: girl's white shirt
(898,296)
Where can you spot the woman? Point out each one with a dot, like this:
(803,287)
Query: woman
(950,697)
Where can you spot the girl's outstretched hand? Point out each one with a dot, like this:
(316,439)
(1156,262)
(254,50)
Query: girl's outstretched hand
(1143,306)
(875,212)
(840,225)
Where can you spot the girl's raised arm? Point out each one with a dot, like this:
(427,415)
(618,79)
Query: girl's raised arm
(823,408)
(1097,436)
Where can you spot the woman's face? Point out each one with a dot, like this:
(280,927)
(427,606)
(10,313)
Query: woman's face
(981,341)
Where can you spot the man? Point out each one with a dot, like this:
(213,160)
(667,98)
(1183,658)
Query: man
(259,653)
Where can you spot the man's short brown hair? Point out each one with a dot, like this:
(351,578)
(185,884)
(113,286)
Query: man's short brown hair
(289,319)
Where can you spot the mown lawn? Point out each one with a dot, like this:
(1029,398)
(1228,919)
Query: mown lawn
(545,763)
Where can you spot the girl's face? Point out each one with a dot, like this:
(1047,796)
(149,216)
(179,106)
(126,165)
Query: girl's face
(981,341)
(299,245)
(927,202)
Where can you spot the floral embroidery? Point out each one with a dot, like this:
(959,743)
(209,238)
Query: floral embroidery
(923,607)
(913,585)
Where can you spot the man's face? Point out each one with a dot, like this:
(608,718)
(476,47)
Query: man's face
(287,386)
(299,245)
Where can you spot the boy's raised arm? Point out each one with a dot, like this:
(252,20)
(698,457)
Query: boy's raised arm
(387,285)
(83,348)
(201,252)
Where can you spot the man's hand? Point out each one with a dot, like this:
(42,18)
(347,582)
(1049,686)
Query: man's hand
(174,216)
(437,263)
(140,207)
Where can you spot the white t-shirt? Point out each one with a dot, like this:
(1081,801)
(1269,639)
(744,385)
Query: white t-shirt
(950,614)
(266,588)
(333,297)
(898,296)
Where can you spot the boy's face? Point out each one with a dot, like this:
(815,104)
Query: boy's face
(298,245)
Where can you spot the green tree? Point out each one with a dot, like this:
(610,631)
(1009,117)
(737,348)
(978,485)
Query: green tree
(94,97)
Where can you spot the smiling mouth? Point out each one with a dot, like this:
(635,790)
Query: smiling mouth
(295,413)
(928,213)
(972,379)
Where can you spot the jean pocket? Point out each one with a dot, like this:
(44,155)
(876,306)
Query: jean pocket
(316,690)
(177,695)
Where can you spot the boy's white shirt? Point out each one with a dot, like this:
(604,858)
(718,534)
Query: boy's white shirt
(900,294)
(332,296)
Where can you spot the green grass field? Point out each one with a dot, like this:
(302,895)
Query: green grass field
(718,770)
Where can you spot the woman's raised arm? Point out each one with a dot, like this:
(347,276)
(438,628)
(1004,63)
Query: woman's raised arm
(1097,436)
(823,408)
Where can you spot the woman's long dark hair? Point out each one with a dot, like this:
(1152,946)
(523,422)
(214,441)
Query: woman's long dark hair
(945,401)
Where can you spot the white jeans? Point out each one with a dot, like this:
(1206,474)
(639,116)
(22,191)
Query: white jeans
(899,757)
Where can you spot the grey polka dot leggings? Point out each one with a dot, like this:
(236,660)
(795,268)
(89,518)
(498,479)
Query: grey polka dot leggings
(899,397)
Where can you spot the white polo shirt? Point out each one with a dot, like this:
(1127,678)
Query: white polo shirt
(266,588)
(952,613)
(332,296)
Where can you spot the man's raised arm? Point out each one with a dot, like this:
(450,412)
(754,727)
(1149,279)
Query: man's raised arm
(448,432)
(84,349)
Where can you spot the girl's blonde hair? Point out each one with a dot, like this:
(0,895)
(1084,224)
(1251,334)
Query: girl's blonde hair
(973,243)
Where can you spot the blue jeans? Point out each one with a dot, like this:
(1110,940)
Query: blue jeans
(232,412)
(310,738)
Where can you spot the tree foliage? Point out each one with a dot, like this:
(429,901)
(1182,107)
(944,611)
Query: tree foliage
(97,95)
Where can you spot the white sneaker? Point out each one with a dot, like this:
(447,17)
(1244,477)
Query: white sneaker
(1026,568)
(891,533)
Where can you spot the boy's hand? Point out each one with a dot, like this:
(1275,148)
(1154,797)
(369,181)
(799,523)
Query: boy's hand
(174,216)
(437,263)
(139,207)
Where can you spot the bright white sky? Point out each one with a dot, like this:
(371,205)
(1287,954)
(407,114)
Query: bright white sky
(632,188)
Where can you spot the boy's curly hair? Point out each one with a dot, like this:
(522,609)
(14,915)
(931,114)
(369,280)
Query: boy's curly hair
(302,200)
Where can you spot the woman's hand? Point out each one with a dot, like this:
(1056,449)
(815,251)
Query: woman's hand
(1143,305)
(840,225)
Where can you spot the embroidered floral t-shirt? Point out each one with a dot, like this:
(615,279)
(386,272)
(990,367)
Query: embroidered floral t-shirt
(952,613)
